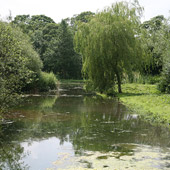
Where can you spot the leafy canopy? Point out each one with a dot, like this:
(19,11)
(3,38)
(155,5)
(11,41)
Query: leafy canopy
(54,44)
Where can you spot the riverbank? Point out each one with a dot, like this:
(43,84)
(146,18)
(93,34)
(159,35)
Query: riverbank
(147,101)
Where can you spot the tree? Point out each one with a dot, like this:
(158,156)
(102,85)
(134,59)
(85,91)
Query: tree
(54,44)
(110,45)
(23,21)
(49,45)
(155,35)
(16,57)
(82,17)
(36,22)
(160,40)
(34,26)
(68,62)
(40,21)
(59,55)
(19,64)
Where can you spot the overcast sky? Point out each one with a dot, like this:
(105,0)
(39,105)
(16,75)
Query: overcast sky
(60,9)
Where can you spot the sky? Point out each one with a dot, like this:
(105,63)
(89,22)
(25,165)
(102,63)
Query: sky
(61,9)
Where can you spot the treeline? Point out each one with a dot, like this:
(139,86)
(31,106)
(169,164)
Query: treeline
(54,42)
(107,49)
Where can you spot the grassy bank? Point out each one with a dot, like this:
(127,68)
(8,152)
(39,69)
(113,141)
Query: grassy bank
(147,101)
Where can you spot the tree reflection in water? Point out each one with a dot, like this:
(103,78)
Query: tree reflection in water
(11,152)
(88,123)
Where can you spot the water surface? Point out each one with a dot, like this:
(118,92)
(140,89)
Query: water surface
(76,130)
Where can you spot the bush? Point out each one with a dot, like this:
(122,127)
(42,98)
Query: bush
(41,82)
(149,79)
(136,77)
(47,81)
(164,85)
(14,73)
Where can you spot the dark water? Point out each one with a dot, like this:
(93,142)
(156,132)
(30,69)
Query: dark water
(75,130)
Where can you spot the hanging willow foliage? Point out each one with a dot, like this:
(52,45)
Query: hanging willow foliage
(110,45)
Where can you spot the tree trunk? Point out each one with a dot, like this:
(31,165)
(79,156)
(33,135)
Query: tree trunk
(119,82)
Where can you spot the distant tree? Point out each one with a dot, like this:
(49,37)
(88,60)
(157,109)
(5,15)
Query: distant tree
(23,21)
(40,21)
(47,45)
(35,22)
(154,23)
(110,45)
(82,17)
(155,30)
(50,31)
(68,62)
(37,27)
(53,42)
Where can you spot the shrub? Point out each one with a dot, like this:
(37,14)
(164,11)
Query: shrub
(47,81)
(164,85)
(13,65)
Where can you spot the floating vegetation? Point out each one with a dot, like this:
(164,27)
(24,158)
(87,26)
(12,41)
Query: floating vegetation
(144,157)
(102,157)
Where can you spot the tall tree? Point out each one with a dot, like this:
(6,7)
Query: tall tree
(68,62)
(110,45)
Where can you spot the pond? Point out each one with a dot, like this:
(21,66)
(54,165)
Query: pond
(76,130)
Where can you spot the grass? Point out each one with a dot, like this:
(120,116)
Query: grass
(147,101)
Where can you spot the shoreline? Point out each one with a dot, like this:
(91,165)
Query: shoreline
(146,101)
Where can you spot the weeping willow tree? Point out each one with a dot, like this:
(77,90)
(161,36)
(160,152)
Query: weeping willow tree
(110,45)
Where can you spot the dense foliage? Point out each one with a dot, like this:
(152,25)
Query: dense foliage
(20,67)
(60,56)
(18,63)
(54,44)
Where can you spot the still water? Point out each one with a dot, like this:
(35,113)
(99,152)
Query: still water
(76,130)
